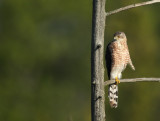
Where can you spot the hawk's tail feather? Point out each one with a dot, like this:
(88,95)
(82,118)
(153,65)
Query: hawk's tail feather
(113,95)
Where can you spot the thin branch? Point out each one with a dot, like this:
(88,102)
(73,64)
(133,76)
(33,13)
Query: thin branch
(131,6)
(133,80)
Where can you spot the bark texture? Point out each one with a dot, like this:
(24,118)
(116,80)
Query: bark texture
(97,68)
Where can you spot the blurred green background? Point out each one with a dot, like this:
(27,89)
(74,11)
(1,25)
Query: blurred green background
(45,60)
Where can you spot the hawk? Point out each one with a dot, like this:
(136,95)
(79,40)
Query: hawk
(117,57)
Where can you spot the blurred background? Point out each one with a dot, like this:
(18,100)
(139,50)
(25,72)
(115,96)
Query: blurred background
(45,60)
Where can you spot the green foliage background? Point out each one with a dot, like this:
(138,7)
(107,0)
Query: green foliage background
(45,60)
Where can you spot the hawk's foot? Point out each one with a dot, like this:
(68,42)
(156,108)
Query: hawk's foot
(117,80)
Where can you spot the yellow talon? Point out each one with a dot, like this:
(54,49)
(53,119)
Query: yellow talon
(117,80)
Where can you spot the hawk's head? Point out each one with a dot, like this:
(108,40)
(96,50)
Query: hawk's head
(120,36)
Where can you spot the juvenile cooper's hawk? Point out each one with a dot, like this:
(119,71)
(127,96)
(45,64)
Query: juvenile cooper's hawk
(117,58)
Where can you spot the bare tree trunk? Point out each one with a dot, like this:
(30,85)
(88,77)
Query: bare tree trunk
(97,68)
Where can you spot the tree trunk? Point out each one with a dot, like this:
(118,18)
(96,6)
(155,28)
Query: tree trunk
(97,68)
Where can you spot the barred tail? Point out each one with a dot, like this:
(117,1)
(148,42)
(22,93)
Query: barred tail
(113,95)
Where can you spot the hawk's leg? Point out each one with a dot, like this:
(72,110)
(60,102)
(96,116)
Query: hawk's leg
(117,80)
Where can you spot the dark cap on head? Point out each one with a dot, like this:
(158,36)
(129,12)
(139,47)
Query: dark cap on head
(120,34)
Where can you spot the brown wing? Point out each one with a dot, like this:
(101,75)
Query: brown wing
(108,59)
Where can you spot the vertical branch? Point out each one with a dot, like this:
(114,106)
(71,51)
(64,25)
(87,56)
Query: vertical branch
(97,68)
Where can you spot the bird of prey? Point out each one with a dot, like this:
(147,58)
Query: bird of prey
(117,57)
